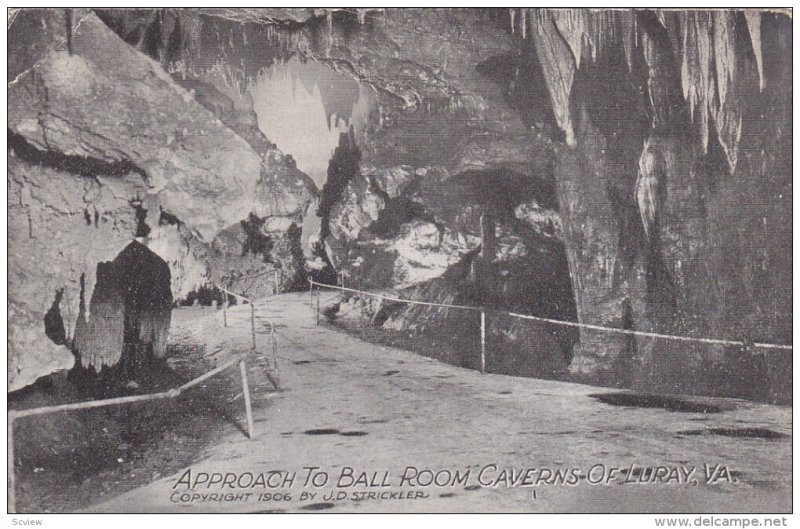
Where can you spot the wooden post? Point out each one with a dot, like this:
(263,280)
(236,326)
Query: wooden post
(483,342)
(12,478)
(318,296)
(253,323)
(275,277)
(342,277)
(275,359)
(225,309)
(246,394)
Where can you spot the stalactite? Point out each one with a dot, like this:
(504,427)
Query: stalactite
(99,339)
(724,52)
(702,41)
(626,21)
(329,20)
(728,123)
(558,65)
(512,13)
(572,25)
(753,18)
(646,189)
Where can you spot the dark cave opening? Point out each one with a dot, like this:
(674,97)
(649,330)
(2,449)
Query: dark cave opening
(508,189)
(53,322)
(206,295)
(123,335)
(257,242)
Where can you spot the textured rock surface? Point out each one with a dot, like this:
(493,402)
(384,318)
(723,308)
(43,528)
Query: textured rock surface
(649,147)
(198,168)
(90,132)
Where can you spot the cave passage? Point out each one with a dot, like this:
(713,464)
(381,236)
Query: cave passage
(124,335)
(303,107)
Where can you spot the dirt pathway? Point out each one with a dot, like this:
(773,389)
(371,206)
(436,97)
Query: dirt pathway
(347,403)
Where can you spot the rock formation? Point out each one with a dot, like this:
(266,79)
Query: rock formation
(97,133)
(636,163)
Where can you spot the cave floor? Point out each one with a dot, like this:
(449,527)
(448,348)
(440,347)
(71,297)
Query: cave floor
(347,403)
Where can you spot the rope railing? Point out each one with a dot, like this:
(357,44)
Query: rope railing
(602,328)
(274,271)
(13,415)
(273,378)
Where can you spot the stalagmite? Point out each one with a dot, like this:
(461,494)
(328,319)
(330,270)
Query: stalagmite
(131,306)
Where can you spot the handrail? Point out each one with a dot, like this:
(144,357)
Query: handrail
(713,341)
(272,331)
(13,415)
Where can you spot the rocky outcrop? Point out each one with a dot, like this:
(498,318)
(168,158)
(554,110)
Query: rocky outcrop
(103,142)
(675,204)
(635,162)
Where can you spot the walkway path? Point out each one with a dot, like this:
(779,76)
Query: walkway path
(347,403)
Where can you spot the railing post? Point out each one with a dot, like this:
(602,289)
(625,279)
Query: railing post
(225,309)
(275,277)
(246,393)
(318,296)
(12,478)
(483,342)
(275,358)
(253,323)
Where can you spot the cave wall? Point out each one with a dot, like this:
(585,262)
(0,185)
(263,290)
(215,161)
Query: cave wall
(648,147)
(97,132)
(679,214)
(438,114)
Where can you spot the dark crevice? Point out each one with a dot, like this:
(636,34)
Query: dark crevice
(327,274)
(751,433)
(294,234)
(167,219)
(142,229)
(638,400)
(71,163)
(398,211)
(508,189)
(257,242)
(344,165)
(322,431)
(53,322)
(205,296)
(68,20)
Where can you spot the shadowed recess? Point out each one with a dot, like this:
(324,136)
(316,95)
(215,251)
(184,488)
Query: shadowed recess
(637,400)
(750,433)
(322,431)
